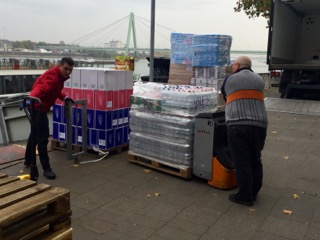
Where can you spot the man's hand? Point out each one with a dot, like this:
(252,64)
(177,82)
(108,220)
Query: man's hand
(22,105)
(67,99)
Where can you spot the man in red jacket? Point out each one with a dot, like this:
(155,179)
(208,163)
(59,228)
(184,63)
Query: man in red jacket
(48,87)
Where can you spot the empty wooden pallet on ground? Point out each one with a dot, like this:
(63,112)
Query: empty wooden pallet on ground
(33,211)
(160,165)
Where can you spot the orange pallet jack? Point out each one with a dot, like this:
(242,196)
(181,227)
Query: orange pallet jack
(222,177)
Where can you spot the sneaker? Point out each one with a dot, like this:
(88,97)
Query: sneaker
(48,173)
(233,198)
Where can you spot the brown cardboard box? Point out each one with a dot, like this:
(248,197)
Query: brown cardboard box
(180,74)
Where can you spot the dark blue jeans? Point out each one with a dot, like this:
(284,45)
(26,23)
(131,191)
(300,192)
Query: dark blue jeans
(246,144)
(39,136)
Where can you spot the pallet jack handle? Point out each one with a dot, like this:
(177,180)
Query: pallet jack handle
(29,110)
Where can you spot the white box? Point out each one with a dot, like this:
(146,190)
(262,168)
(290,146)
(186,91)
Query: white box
(129,79)
(200,72)
(68,83)
(121,80)
(89,78)
(107,79)
(76,78)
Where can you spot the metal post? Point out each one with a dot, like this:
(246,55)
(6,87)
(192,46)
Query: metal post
(153,7)
(68,111)
(3,128)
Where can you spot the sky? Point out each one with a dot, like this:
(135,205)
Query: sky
(70,21)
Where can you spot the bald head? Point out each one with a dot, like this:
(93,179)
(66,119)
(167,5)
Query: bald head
(243,61)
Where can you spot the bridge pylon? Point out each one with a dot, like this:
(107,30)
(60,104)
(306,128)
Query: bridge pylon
(131,28)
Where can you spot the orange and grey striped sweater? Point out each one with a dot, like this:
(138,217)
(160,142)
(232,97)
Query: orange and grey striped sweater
(243,92)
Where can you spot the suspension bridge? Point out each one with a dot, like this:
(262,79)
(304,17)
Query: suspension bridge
(121,36)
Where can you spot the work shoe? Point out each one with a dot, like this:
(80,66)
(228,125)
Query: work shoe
(48,173)
(233,198)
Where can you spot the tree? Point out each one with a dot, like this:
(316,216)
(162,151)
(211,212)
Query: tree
(254,8)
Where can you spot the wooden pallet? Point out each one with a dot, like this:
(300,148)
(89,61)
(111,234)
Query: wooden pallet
(33,211)
(161,166)
(75,148)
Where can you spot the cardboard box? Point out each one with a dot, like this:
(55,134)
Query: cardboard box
(126,116)
(76,78)
(91,118)
(77,116)
(121,80)
(123,99)
(104,100)
(103,120)
(57,113)
(93,137)
(89,95)
(89,78)
(129,79)
(106,139)
(62,132)
(77,94)
(115,118)
(118,136)
(115,102)
(107,79)
(68,83)
(125,134)
(55,131)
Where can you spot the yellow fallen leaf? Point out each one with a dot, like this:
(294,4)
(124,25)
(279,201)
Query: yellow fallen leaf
(157,194)
(252,210)
(156,178)
(274,132)
(289,212)
(286,157)
(146,170)
(75,165)
(21,171)
(148,196)
(295,196)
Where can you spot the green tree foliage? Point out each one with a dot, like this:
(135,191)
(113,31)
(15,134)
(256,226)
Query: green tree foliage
(254,8)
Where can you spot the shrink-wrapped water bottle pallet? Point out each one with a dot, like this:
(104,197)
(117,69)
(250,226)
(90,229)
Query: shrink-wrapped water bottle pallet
(176,170)
(33,211)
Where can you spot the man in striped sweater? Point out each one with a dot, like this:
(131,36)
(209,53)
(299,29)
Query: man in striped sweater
(246,120)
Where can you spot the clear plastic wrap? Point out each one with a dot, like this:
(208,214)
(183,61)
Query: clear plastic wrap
(181,100)
(166,138)
(181,48)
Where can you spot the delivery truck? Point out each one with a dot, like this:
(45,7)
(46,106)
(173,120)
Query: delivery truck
(294,46)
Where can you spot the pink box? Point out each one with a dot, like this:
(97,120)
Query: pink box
(66,91)
(103,100)
(77,94)
(116,100)
(129,93)
(89,95)
(123,99)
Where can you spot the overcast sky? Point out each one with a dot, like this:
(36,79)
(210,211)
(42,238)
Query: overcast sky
(68,21)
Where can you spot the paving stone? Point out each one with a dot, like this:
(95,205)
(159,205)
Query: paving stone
(200,215)
(284,228)
(160,210)
(94,224)
(267,236)
(124,205)
(86,183)
(90,201)
(115,235)
(78,212)
(81,233)
(239,222)
(146,221)
(228,233)
(134,230)
(187,226)
(108,216)
(175,234)
(208,236)
(214,199)
(313,233)
(303,208)
(112,189)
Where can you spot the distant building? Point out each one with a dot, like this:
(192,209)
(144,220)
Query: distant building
(5,45)
(114,44)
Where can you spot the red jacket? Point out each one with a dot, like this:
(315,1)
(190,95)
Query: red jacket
(48,88)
